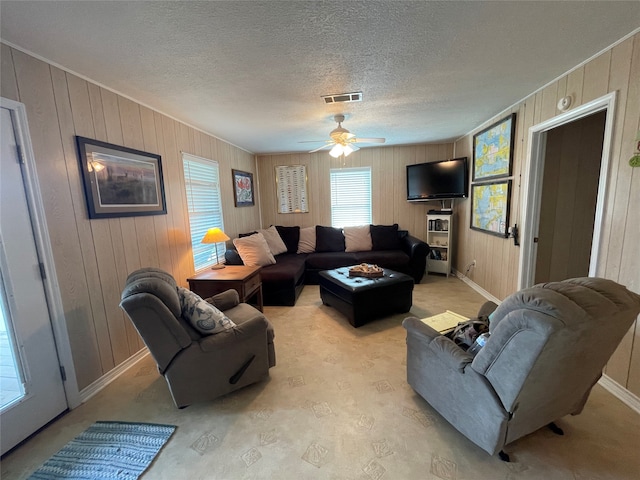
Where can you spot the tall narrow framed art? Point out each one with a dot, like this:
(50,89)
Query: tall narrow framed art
(291,185)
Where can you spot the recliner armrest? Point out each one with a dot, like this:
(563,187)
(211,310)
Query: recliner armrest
(450,354)
(225,300)
(256,326)
(444,348)
(416,326)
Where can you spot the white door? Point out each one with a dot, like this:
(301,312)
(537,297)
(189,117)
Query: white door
(31,387)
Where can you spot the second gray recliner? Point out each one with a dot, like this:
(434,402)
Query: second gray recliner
(547,349)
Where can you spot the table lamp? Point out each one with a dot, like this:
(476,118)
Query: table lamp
(215,236)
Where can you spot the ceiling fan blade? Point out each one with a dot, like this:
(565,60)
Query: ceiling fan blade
(320,148)
(369,140)
(314,141)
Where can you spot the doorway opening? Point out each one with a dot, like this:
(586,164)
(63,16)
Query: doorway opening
(559,211)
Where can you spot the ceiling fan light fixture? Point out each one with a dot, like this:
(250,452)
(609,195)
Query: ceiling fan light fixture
(343,141)
(339,149)
(336,151)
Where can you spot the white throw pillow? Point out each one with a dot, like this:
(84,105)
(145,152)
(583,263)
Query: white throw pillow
(254,251)
(276,245)
(357,239)
(202,316)
(307,242)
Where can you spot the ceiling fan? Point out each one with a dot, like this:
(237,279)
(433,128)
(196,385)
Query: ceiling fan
(343,141)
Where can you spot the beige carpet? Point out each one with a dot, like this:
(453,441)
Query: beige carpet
(337,406)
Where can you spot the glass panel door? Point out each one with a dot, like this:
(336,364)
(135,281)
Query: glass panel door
(30,375)
(11,377)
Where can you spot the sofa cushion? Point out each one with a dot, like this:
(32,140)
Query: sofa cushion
(385,237)
(201,315)
(283,282)
(290,236)
(393,259)
(289,268)
(330,260)
(272,237)
(329,239)
(254,251)
(307,243)
(357,239)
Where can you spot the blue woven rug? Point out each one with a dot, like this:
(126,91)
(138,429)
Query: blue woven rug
(107,450)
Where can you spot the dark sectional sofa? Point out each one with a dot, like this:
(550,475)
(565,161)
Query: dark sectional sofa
(283,282)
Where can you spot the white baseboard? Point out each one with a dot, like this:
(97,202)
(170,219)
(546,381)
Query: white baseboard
(621,393)
(613,387)
(88,392)
(477,287)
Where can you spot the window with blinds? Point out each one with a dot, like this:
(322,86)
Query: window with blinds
(202,184)
(350,196)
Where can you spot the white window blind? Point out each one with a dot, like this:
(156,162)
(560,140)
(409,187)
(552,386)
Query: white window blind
(202,184)
(350,196)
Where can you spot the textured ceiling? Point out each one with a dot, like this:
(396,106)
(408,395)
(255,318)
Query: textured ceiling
(252,72)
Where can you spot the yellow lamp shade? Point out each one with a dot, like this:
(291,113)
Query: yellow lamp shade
(214,235)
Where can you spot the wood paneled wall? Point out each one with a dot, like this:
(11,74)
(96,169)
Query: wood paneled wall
(617,69)
(388,185)
(94,257)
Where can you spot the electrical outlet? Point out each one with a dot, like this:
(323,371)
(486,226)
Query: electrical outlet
(469,267)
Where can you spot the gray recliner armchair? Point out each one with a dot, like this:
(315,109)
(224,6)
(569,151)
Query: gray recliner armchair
(547,349)
(198,367)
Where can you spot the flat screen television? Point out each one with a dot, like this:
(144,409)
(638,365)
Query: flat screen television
(440,180)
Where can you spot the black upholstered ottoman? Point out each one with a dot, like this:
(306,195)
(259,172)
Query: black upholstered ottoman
(362,299)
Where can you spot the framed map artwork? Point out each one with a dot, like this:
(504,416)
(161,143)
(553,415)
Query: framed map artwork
(493,150)
(490,207)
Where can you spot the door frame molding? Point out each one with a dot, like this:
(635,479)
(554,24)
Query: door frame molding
(45,252)
(532,184)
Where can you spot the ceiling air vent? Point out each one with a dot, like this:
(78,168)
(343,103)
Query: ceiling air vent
(343,97)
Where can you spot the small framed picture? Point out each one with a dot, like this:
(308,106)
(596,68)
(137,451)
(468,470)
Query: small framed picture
(120,181)
(243,194)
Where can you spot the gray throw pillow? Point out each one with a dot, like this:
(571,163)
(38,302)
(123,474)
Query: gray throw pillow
(202,316)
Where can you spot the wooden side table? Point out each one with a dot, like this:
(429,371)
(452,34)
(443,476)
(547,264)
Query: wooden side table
(245,280)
